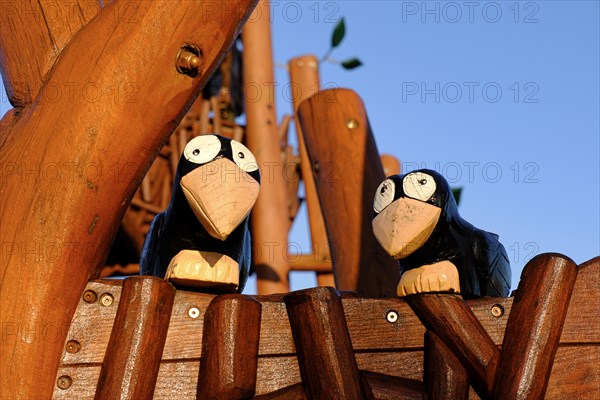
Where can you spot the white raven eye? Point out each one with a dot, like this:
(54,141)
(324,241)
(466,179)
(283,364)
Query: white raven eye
(419,185)
(243,157)
(384,195)
(202,149)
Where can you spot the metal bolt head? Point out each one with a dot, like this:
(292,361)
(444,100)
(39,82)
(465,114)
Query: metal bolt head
(351,123)
(73,346)
(89,296)
(193,312)
(497,310)
(64,382)
(106,299)
(392,316)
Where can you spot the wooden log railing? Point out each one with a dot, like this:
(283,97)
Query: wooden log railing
(393,355)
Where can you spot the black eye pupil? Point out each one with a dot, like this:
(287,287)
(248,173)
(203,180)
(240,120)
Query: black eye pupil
(196,152)
(423,181)
(241,155)
(383,190)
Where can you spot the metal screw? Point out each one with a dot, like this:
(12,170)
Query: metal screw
(300,63)
(64,382)
(193,312)
(73,346)
(497,310)
(106,299)
(89,296)
(188,60)
(351,124)
(392,316)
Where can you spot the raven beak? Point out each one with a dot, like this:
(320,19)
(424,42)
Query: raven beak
(405,225)
(221,195)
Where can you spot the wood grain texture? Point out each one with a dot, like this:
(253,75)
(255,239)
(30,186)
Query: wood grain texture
(293,392)
(269,223)
(230,348)
(304,77)
(348,170)
(450,318)
(134,351)
(62,206)
(325,355)
(386,387)
(33,33)
(534,327)
(445,377)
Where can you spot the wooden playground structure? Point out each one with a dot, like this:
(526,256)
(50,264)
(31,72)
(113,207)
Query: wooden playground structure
(68,334)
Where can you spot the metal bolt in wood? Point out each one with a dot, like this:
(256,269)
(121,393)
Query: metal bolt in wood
(73,346)
(89,296)
(188,61)
(497,310)
(64,382)
(392,316)
(351,124)
(193,312)
(106,299)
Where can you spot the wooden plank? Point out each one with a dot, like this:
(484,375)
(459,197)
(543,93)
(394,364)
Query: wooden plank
(534,327)
(270,215)
(347,169)
(324,350)
(385,387)
(61,228)
(135,348)
(445,377)
(33,33)
(230,348)
(304,77)
(450,318)
(293,392)
(366,319)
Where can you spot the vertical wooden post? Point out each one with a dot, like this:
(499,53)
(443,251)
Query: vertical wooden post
(230,348)
(346,163)
(451,319)
(391,165)
(304,76)
(323,346)
(534,327)
(269,215)
(137,339)
(445,377)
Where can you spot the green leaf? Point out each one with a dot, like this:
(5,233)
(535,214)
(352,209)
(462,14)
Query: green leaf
(338,33)
(457,192)
(351,63)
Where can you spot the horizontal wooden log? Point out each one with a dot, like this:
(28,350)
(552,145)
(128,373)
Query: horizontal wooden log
(293,392)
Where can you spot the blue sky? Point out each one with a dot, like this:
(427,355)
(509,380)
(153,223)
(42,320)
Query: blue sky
(501,97)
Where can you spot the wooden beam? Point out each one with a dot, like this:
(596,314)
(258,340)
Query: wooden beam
(304,77)
(391,165)
(445,377)
(347,169)
(68,184)
(451,319)
(33,33)
(325,354)
(534,327)
(135,348)
(269,215)
(230,348)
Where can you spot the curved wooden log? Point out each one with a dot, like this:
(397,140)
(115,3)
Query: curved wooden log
(347,171)
(71,163)
(33,33)
(137,339)
(534,327)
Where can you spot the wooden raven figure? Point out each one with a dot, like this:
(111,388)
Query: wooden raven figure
(417,222)
(202,239)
